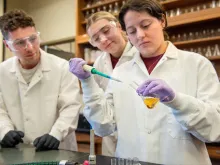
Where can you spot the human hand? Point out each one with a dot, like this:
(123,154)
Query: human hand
(12,138)
(76,67)
(46,142)
(156,88)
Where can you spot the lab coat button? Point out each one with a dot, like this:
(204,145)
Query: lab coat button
(149,132)
(26,119)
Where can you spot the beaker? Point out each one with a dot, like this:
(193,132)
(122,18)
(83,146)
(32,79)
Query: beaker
(149,101)
(113,161)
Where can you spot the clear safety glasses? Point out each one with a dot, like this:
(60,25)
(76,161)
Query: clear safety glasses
(20,44)
(103,33)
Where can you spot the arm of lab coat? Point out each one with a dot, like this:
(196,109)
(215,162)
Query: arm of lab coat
(99,107)
(69,105)
(95,65)
(5,122)
(200,115)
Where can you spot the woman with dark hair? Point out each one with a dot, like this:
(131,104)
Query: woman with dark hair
(188,113)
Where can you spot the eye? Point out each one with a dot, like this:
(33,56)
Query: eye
(32,38)
(145,26)
(131,31)
(96,39)
(19,42)
(106,30)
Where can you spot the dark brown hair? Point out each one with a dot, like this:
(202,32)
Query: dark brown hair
(13,20)
(152,7)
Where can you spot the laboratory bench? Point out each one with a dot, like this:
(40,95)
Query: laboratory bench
(25,154)
(83,142)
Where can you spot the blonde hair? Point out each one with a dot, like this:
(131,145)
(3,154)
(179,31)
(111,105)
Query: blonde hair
(103,15)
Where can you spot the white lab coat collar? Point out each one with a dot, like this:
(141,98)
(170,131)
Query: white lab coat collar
(127,48)
(45,64)
(124,57)
(171,52)
(125,52)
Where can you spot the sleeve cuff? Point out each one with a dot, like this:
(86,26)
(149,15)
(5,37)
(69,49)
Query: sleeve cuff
(56,134)
(4,131)
(183,104)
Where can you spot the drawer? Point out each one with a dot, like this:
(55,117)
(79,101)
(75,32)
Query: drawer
(214,152)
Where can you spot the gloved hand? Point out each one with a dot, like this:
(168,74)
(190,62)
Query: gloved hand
(156,88)
(46,142)
(77,69)
(12,138)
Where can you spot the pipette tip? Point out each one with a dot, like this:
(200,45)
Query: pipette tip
(116,79)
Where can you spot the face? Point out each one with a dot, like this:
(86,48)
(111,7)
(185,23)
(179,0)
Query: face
(145,33)
(107,36)
(25,44)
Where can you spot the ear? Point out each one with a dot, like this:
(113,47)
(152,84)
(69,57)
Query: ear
(5,43)
(163,21)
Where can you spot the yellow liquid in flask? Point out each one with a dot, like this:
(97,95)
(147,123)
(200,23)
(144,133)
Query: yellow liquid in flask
(150,102)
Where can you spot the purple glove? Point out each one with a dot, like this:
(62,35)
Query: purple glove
(156,88)
(76,67)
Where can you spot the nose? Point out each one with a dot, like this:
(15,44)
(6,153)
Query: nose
(28,45)
(103,39)
(140,33)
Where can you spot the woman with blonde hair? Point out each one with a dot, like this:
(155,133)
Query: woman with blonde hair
(106,34)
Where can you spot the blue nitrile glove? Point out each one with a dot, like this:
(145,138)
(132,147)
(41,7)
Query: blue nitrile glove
(76,67)
(46,142)
(12,138)
(156,88)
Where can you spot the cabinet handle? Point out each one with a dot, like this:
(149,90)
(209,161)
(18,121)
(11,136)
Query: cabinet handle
(217,151)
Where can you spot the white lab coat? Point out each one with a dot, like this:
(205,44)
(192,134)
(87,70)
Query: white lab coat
(103,63)
(50,104)
(168,134)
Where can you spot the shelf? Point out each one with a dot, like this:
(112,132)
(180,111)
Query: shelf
(171,4)
(99,5)
(188,18)
(84,22)
(168,4)
(213,58)
(197,41)
(83,39)
(214,151)
(90,63)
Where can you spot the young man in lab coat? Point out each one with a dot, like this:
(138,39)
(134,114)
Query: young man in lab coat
(39,97)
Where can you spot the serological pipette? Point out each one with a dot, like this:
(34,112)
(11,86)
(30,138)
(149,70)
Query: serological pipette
(94,71)
(92,156)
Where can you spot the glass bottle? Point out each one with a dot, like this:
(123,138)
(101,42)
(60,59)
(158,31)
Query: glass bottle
(116,8)
(110,8)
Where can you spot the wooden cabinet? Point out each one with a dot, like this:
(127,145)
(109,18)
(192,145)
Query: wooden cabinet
(83,142)
(192,25)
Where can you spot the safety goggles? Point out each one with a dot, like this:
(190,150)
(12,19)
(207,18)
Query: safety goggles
(103,33)
(20,44)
